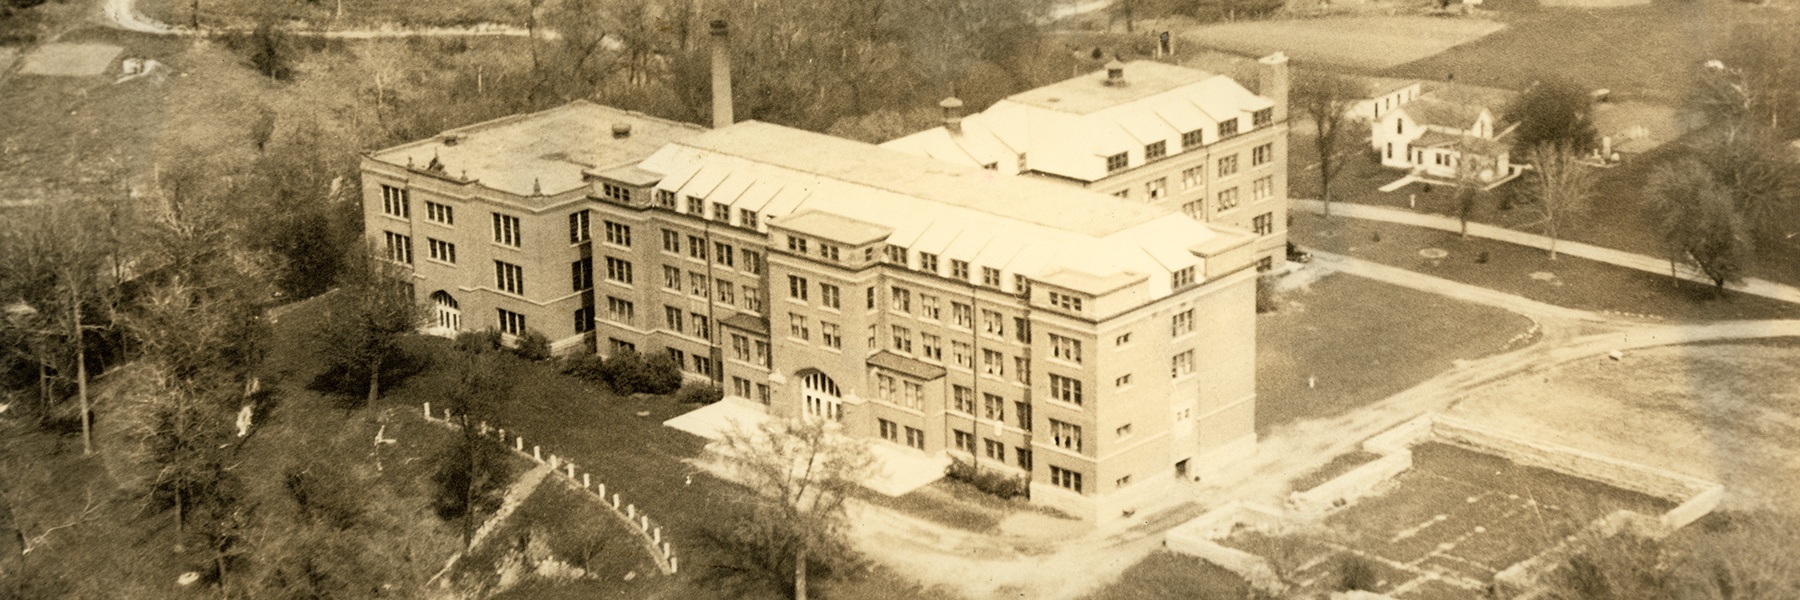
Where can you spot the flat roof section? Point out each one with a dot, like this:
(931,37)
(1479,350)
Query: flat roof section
(1090,92)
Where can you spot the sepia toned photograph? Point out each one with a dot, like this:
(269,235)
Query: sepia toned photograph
(900,299)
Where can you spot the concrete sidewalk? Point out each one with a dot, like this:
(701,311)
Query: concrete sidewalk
(896,471)
(1648,264)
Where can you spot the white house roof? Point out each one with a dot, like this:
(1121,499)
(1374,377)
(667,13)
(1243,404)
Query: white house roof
(1017,225)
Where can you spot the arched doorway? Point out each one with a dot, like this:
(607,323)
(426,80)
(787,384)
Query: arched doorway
(822,397)
(445,312)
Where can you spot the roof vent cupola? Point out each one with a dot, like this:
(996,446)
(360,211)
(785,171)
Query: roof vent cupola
(1115,73)
(953,114)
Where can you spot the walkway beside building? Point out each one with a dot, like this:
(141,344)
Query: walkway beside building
(1649,264)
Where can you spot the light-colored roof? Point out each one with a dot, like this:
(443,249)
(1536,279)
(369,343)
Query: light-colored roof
(1017,225)
(832,227)
(1442,114)
(543,152)
(1069,127)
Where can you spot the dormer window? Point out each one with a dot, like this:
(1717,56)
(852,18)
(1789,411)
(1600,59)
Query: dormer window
(1065,301)
(696,206)
(1022,168)
(616,192)
(990,277)
(1155,151)
(1181,278)
(1262,117)
(665,199)
(747,218)
(1192,139)
(722,213)
(928,262)
(1228,128)
(828,252)
(1115,162)
(896,255)
(797,245)
(993,166)
(959,269)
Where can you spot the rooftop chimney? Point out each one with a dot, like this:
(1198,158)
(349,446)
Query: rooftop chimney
(952,114)
(621,130)
(1115,73)
(721,74)
(1273,81)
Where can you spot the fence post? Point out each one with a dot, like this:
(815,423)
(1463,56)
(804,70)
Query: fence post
(428,411)
(674,564)
(587,482)
(537,454)
(644,522)
(553,463)
(665,549)
(519,444)
(656,534)
(631,510)
(484,428)
(602,490)
(615,501)
(570,468)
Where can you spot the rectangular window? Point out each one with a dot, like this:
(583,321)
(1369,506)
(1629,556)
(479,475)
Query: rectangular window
(829,252)
(1116,162)
(1063,348)
(697,284)
(616,192)
(965,441)
(959,269)
(584,319)
(671,278)
(993,363)
(696,206)
(1192,139)
(578,227)
(399,248)
(618,234)
(1065,435)
(829,295)
(993,407)
(995,450)
(1123,339)
(1262,117)
(722,213)
(671,241)
(964,315)
(747,218)
(581,274)
(1261,155)
(509,277)
(903,339)
(762,352)
(722,252)
(620,310)
(915,438)
(1182,364)
(797,245)
(912,395)
(1024,457)
(740,387)
(797,327)
(1021,284)
(900,299)
(618,270)
(1192,176)
(1122,380)
(1023,411)
(1264,224)
(752,299)
(1065,389)
(797,287)
(831,335)
(928,307)
(1155,150)
(1262,189)
(964,398)
(702,326)
(1022,369)
(442,250)
(963,353)
(665,199)
(993,322)
(441,214)
(931,347)
(1157,188)
(887,388)
(1194,210)
(762,393)
(896,255)
(752,262)
(619,346)
(740,347)
(1182,323)
(890,430)
(1065,301)
(1228,165)
(506,230)
(702,364)
(1181,278)
(990,277)
(928,262)
(672,318)
(511,323)
(1123,431)
(396,202)
(727,292)
(697,248)
(1228,200)
(1228,128)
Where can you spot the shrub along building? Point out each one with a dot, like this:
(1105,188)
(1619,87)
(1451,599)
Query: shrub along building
(1102,347)
(1167,136)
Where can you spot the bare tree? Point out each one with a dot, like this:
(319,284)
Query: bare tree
(1561,185)
(1470,186)
(1326,98)
(473,474)
(64,259)
(801,472)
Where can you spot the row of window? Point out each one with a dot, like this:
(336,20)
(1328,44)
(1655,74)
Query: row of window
(697,285)
(721,253)
(1189,140)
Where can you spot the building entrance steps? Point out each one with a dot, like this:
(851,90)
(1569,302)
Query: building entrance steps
(896,471)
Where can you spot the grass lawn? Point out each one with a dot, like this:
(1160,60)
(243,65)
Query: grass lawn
(324,13)
(1165,575)
(1726,412)
(1363,341)
(1576,282)
(578,531)
(1365,43)
(1639,52)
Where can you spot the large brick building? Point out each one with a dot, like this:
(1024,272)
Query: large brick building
(1102,347)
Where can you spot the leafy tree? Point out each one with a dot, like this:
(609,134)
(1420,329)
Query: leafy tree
(1326,99)
(1553,111)
(1561,186)
(371,310)
(1752,83)
(801,473)
(1699,223)
(1761,176)
(472,473)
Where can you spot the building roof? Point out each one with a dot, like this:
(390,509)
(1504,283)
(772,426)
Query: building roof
(914,368)
(1069,127)
(1442,114)
(544,152)
(1018,225)
(832,227)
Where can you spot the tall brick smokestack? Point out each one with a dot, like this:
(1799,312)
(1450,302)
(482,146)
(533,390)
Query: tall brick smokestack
(721,74)
(1273,79)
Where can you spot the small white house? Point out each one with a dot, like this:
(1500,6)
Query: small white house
(1435,136)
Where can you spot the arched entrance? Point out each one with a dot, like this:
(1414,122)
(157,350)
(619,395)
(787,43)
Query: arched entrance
(822,397)
(445,312)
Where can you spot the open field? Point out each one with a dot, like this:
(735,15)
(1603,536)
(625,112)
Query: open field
(1723,412)
(1457,515)
(1638,52)
(1363,43)
(1363,341)
(1529,272)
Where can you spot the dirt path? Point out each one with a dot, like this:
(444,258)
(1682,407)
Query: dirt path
(123,14)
